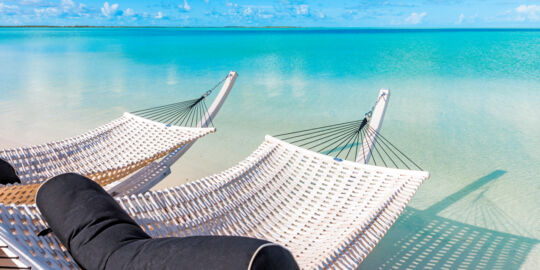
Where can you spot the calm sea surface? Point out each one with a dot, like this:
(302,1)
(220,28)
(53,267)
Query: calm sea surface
(464,104)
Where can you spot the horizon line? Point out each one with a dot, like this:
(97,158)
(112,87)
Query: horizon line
(281,27)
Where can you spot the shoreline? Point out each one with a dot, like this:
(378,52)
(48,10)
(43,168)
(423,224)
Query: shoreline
(113,26)
(284,27)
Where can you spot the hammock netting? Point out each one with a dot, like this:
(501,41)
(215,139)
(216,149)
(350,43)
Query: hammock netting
(110,152)
(328,211)
(329,214)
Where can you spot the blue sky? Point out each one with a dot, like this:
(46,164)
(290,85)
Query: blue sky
(329,13)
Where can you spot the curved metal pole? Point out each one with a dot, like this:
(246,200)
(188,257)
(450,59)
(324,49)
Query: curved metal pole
(207,118)
(152,174)
(364,153)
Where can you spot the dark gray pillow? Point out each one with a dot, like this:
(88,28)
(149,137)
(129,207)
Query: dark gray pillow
(7,173)
(99,234)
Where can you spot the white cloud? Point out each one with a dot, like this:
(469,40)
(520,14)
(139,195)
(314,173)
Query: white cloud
(266,15)
(129,12)
(65,9)
(186,7)
(50,11)
(248,11)
(67,3)
(29,2)
(69,6)
(8,9)
(415,18)
(110,10)
(159,15)
(461,18)
(302,9)
(528,12)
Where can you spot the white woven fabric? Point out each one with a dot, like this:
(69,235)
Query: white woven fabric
(109,149)
(329,214)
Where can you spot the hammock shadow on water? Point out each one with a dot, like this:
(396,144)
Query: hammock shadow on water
(420,239)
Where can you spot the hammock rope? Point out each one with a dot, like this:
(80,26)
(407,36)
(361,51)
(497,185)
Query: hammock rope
(338,141)
(112,151)
(305,189)
(185,113)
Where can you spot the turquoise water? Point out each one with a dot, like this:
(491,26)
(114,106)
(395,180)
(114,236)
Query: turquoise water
(464,105)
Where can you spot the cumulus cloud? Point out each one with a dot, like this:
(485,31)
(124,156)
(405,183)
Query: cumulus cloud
(185,7)
(264,15)
(30,2)
(415,18)
(50,11)
(66,9)
(528,12)
(68,3)
(131,15)
(129,12)
(255,14)
(159,15)
(460,18)
(248,11)
(110,10)
(302,9)
(8,9)
(297,9)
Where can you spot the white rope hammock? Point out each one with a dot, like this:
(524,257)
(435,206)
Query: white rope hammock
(328,213)
(110,149)
(117,149)
(105,154)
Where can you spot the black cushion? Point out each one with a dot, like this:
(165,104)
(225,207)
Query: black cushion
(7,173)
(99,234)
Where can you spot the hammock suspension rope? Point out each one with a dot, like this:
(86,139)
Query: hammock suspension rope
(338,140)
(185,113)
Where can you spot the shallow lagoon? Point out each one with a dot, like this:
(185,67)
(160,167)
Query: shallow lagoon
(464,105)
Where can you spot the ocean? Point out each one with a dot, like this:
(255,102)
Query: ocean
(465,105)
